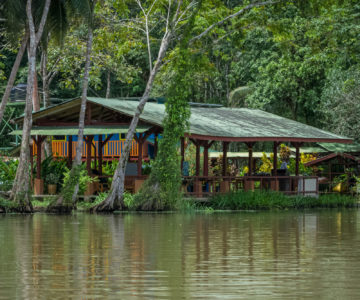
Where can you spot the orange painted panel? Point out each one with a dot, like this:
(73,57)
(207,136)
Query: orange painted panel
(111,149)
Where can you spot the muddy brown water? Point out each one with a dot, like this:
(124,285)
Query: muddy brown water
(243,255)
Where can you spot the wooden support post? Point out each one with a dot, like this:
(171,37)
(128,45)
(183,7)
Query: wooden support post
(140,155)
(88,114)
(88,141)
(95,153)
(39,183)
(70,154)
(206,159)
(182,150)
(197,167)
(275,158)
(250,160)
(224,162)
(31,160)
(38,142)
(156,145)
(297,157)
(297,160)
(100,150)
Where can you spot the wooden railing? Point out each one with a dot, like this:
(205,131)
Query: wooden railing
(206,186)
(111,148)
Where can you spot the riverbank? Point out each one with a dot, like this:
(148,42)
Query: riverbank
(240,200)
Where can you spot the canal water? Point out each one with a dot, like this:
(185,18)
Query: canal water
(247,255)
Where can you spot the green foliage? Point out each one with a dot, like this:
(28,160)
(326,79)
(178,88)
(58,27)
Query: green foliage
(77,175)
(8,205)
(162,189)
(44,203)
(128,201)
(8,169)
(53,170)
(275,200)
(86,205)
(109,168)
(52,178)
(186,205)
(341,102)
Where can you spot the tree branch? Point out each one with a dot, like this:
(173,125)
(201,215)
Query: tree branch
(241,11)
(43,21)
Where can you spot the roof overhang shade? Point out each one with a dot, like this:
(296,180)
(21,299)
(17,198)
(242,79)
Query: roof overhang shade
(88,130)
(330,156)
(211,123)
(244,155)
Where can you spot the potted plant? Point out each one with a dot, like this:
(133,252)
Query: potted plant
(52,180)
(341,183)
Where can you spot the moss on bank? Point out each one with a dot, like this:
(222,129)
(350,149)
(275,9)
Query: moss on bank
(7,205)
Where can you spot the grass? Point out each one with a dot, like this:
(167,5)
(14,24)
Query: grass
(7,205)
(85,205)
(40,204)
(265,200)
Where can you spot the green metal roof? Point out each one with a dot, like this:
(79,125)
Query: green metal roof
(89,130)
(228,122)
(309,149)
(340,148)
(215,123)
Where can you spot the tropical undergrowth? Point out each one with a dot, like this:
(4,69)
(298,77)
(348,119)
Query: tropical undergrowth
(75,178)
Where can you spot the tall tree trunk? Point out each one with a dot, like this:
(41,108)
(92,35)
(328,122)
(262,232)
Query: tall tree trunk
(46,95)
(115,198)
(68,195)
(13,73)
(35,96)
(79,146)
(45,78)
(20,191)
(108,84)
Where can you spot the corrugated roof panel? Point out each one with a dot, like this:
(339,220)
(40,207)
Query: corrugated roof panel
(217,122)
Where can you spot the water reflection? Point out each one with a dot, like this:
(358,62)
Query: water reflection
(181,256)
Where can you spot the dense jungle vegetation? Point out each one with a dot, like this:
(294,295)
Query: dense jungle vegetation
(299,59)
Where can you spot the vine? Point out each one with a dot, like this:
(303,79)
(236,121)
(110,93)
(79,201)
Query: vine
(161,190)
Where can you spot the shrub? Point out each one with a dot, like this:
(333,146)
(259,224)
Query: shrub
(8,169)
(84,179)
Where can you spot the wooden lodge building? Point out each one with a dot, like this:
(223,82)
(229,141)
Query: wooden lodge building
(107,121)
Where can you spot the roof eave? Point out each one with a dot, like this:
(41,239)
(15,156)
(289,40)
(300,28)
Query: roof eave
(269,139)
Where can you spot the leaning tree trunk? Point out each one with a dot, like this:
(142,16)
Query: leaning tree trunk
(21,188)
(67,198)
(13,73)
(46,95)
(79,146)
(114,200)
(108,84)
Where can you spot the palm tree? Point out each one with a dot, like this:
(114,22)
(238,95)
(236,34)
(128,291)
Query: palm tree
(14,24)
